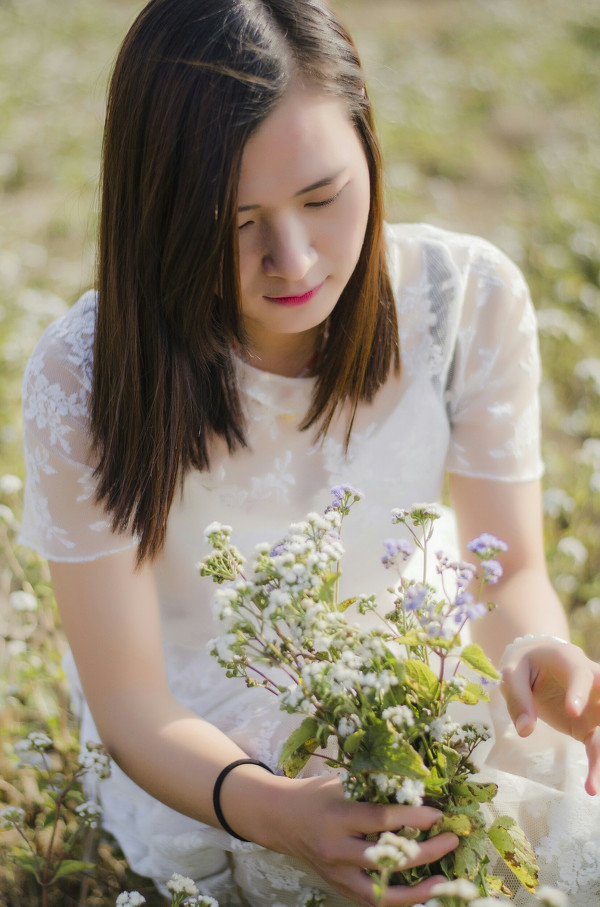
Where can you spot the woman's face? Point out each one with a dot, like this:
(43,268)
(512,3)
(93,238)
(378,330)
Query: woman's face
(304,198)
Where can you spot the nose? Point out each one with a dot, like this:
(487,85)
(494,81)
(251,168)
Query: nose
(289,252)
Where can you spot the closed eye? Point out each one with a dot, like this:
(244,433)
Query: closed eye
(327,201)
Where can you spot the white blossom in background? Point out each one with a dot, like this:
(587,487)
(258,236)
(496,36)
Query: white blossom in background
(130,899)
(36,741)
(90,813)
(179,884)
(589,370)
(22,601)
(10,484)
(8,517)
(95,759)
(458,888)
(557,502)
(573,548)
(551,897)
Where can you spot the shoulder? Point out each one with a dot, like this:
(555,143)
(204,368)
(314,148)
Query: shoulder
(66,346)
(463,253)
(58,378)
(452,287)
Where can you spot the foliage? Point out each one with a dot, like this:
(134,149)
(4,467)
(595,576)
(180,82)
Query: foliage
(377,691)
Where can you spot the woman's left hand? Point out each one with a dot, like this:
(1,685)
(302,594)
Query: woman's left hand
(557,682)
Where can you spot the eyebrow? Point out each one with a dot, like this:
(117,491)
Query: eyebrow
(326,181)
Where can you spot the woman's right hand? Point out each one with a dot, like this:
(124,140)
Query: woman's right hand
(311,819)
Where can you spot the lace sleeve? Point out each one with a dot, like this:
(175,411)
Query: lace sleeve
(492,392)
(61,519)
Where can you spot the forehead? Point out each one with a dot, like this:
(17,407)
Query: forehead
(307,137)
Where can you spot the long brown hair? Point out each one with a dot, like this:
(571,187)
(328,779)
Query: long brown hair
(192,81)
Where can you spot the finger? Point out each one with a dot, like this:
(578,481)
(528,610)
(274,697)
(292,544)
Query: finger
(355,851)
(360,889)
(418,893)
(374,818)
(516,689)
(579,688)
(592,749)
(428,851)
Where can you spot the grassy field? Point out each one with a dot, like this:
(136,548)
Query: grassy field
(488,111)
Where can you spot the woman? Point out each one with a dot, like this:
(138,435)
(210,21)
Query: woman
(256,338)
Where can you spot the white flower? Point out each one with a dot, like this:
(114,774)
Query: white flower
(459,888)
(90,813)
(10,484)
(572,547)
(22,601)
(130,899)
(443,727)
(551,897)
(393,849)
(399,715)
(96,760)
(216,528)
(36,741)
(411,792)
(311,897)
(204,900)
(179,884)
(347,726)
(7,516)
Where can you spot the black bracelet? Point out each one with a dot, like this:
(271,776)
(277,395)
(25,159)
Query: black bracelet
(217,792)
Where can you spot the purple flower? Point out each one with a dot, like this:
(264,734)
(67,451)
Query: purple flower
(486,546)
(395,547)
(278,549)
(492,571)
(339,491)
(415,596)
(476,611)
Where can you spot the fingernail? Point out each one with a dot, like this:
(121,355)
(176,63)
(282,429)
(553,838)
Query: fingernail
(577,704)
(523,725)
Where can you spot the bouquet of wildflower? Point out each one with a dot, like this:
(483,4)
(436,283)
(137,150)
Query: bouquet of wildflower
(376,693)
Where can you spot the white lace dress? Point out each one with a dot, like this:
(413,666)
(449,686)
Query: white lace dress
(466,402)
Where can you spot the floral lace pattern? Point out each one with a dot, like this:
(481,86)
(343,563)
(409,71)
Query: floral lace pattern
(469,362)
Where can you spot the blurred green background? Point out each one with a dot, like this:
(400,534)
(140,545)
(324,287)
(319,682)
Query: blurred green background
(488,112)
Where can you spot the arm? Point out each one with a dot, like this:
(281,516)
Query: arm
(543,678)
(110,613)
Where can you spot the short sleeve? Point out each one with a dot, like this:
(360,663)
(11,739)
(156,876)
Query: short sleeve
(492,391)
(61,519)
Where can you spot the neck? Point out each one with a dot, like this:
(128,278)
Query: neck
(288,355)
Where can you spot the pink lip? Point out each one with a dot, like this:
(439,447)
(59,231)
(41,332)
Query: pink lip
(295,300)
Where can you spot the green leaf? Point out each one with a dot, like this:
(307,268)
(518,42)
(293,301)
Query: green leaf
(382,751)
(343,606)
(516,851)
(412,638)
(473,655)
(474,790)
(423,678)
(70,867)
(326,591)
(459,824)
(27,862)
(303,736)
(352,743)
(472,694)
(469,854)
